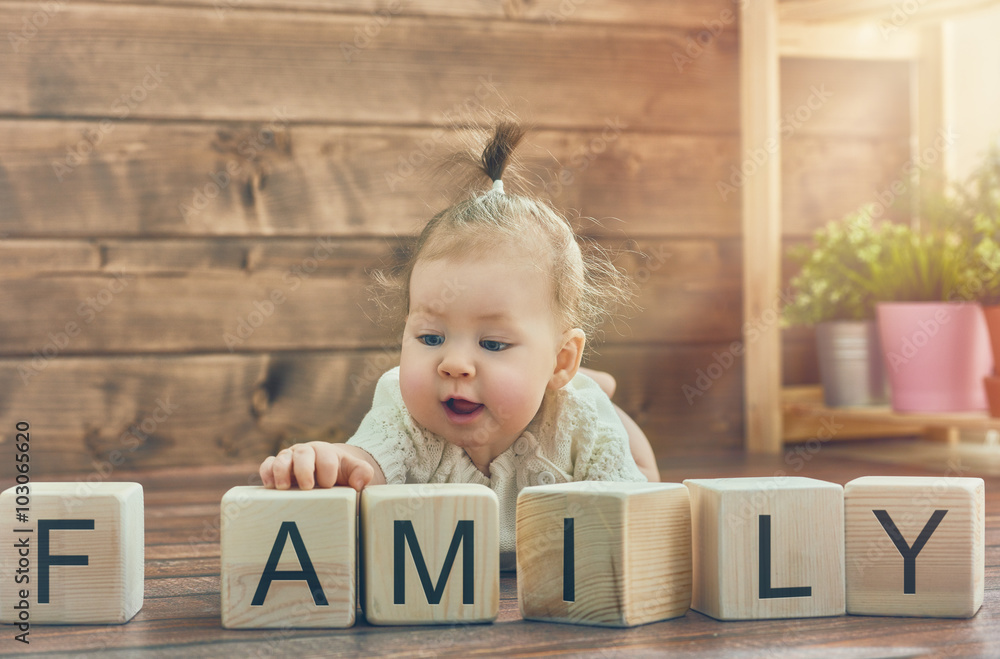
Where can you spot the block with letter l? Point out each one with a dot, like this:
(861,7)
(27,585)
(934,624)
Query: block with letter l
(431,553)
(289,557)
(767,547)
(915,546)
(80,551)
(601,553)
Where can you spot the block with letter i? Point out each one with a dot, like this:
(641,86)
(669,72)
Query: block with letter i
(767,547)
(289,557)
(915,546)
(431,553)
(600,553)
(76,555)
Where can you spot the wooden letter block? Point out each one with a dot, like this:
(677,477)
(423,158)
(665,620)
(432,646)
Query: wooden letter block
(289,557)
(431,553)
(77,556)
(767,547)
(915,546)
(596,553)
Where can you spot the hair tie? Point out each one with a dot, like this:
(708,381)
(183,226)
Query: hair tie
(498,186)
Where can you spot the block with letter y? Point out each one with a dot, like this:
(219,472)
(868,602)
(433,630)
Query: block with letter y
(289,557)
(915,546)
(767,547)
(76,555)
(431,553)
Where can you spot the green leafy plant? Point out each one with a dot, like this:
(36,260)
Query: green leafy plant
(920,266)
(980,201)
(856,262)
(831,284)
(952,255)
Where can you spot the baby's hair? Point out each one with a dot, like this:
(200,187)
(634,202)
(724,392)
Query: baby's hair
(587,288)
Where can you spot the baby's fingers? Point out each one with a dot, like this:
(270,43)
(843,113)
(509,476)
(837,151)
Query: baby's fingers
(281,469)
(266,476)
(328,461)
(356,472)
(304,465)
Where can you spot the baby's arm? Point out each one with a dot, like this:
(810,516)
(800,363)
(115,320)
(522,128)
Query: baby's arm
(640,448)
(638,444)
(321,464)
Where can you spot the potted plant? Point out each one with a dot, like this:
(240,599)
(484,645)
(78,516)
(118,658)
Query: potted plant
(830,292)
(936,348)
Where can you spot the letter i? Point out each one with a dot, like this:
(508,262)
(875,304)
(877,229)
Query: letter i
(569,561)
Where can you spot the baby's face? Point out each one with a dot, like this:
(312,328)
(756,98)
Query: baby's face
(479,349)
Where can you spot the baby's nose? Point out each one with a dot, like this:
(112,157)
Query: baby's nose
(456,365)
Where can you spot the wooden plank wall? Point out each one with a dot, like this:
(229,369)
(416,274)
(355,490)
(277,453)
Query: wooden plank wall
(170,170)
(846,139)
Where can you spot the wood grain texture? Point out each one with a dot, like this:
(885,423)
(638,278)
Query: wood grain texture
(804,539)
(105,586)
(181,613)
(311,532)
(551,12)
(947,566)
(825,179)
(629,551)
(102,414)
(168,297)
(212,69)
(148,180)
(845,98)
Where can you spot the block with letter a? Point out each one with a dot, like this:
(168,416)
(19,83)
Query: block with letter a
(289,557)
(431,553)
(767,547)
(80,549)
(915,546)
(599,553)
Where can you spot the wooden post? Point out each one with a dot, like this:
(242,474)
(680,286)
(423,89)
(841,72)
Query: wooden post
(759,118)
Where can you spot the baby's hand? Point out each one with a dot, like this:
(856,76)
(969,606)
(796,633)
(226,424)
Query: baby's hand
(318,464)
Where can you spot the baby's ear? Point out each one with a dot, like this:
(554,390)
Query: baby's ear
(568,358)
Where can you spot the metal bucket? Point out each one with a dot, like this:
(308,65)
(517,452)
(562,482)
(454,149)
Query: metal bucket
(850,363)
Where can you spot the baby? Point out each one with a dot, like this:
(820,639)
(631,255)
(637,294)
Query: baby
(498,299)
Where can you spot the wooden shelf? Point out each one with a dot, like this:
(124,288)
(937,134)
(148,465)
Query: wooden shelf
(828,29)
(805,417)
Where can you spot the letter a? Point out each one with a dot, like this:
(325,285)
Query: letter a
(272,573)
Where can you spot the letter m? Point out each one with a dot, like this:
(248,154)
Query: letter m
(404,534)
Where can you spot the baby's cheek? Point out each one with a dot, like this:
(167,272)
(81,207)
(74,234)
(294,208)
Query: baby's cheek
(410,385)
(518,399)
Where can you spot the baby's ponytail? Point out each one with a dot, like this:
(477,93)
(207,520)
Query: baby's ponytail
(587,288)
(498,151)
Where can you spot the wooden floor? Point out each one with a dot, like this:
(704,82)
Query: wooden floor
(180,616)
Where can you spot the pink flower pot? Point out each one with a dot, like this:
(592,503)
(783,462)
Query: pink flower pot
(936,355)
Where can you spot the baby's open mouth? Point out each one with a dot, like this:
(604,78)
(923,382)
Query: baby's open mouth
(460,406)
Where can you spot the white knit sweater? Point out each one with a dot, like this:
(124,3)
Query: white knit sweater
(575,436)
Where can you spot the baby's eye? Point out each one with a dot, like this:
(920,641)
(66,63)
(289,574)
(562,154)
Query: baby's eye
(431,339)
(494,346)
